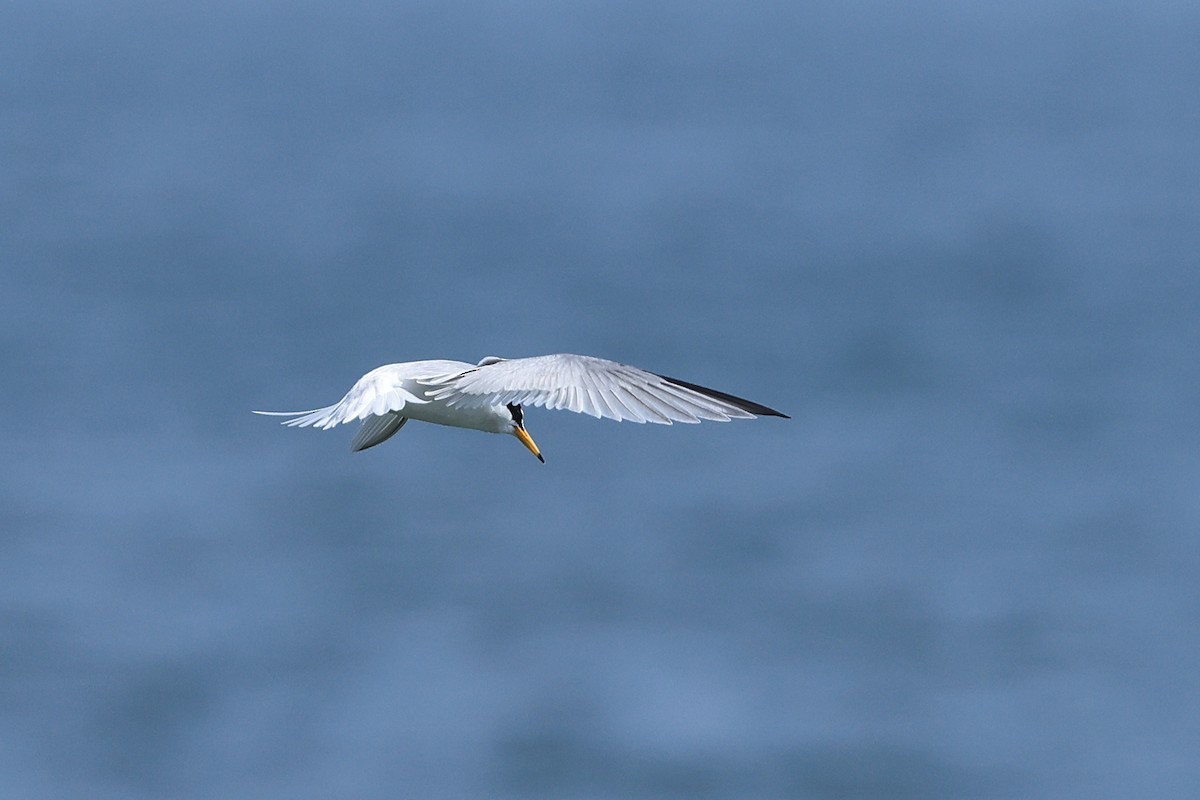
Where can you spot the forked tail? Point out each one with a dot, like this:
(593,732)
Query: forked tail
(320,417)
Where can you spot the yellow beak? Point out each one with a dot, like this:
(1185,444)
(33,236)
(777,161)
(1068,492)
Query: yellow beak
(526,440)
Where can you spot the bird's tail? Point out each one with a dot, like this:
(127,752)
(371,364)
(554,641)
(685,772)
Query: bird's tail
(320,417)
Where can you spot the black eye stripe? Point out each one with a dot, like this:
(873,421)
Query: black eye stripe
(517,414)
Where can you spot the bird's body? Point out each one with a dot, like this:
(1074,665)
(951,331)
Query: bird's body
(489,396)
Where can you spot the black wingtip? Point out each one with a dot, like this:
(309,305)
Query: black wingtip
(749,406)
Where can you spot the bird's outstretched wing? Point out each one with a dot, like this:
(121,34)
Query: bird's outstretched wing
(592,386)
(378,392)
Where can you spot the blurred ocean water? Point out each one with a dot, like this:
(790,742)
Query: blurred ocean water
(956,243)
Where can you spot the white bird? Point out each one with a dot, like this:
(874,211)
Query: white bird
(489,396)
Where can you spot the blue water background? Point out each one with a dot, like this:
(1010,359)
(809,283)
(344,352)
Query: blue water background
(957,242)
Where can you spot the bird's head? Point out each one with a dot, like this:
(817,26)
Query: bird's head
(518,430)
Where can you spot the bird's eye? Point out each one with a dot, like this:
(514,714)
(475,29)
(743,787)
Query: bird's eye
(517,414)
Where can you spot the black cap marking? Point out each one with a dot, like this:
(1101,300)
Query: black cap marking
(517,414)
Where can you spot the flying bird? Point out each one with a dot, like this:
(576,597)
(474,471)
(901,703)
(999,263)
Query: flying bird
(491,395)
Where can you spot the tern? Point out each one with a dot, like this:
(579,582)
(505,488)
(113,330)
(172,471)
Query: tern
(490,396)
